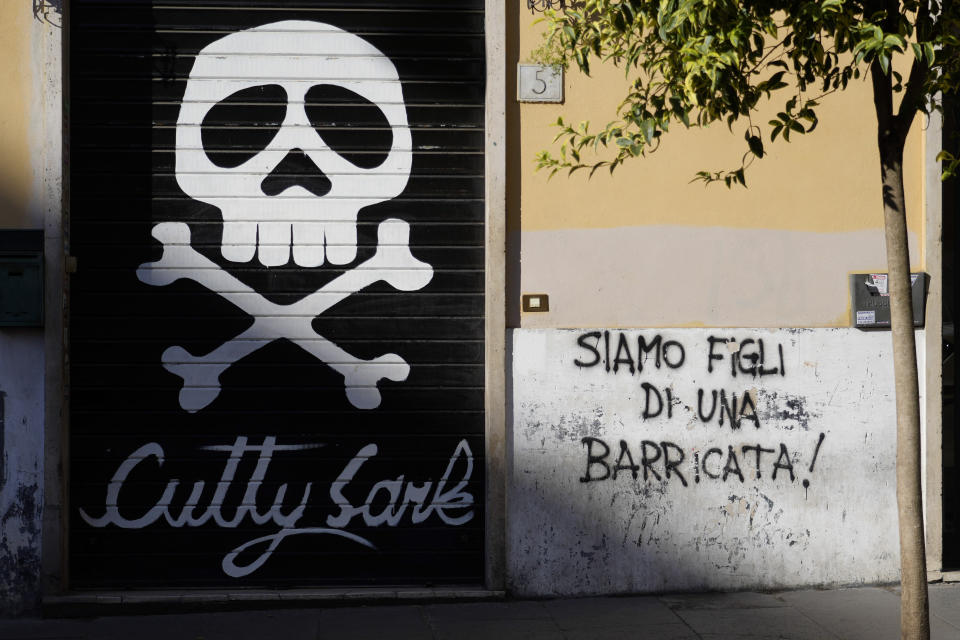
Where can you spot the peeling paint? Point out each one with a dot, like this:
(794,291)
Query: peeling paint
(20,552)
(788,410)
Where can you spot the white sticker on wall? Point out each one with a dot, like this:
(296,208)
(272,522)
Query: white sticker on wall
(866,317)
(879,280)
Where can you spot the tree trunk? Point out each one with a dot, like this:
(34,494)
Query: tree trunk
(914,614)
(892,132)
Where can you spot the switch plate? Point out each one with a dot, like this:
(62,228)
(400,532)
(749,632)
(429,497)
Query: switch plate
(535,302)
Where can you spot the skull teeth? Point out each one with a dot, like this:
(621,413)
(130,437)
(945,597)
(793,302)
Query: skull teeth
(296,177)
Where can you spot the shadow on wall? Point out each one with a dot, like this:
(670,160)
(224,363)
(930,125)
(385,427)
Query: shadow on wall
(514,172)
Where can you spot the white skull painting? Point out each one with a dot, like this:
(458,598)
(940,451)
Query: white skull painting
(267,222)
(296,55)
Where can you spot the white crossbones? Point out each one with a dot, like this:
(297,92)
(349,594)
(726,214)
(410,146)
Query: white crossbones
(393,263)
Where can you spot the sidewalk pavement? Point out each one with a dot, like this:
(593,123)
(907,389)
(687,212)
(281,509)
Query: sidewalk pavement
(867,613)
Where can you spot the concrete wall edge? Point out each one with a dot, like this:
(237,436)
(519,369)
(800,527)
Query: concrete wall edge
(494,294)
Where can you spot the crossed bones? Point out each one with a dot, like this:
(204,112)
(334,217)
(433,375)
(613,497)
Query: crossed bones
(393,263)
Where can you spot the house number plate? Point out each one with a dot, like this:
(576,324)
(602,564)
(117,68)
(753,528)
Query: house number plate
(539,83)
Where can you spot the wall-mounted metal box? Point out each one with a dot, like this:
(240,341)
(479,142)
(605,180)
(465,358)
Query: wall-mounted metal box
(21,278)
(870,296)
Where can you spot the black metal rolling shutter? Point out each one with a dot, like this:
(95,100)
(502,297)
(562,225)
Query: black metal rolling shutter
(282,419)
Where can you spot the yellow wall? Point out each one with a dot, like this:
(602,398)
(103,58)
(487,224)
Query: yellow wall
(16,175)
(817,200)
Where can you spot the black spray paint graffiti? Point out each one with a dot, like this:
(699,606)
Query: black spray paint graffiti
(661,461)
(670,352)
(600,345)
(617,353)
(748,357)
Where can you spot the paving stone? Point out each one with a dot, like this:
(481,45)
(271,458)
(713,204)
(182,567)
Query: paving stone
(41,630)
(768,622)
(675,631)
(868,613)
(255,625)
(741,600)
(373,623)
(941,630)
(521,610)
(945,604)
(493,629)
(609,612)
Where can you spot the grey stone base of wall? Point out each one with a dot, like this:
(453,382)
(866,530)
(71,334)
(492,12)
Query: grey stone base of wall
(125,603)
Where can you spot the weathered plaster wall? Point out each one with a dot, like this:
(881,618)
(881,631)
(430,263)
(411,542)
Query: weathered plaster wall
(603,498)
(657,276)
(30,198)
(811,215)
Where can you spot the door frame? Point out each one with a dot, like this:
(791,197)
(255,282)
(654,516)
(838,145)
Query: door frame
(55,63)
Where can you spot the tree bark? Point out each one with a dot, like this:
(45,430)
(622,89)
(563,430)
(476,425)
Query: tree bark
(914,608)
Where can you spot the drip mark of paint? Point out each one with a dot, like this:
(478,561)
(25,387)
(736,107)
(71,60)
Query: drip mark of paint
(816,452)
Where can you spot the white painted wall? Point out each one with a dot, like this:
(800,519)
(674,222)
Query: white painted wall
(834,523)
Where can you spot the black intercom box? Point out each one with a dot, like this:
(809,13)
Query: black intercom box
(870,296)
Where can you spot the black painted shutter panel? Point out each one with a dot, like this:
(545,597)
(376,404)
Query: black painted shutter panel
(265,471)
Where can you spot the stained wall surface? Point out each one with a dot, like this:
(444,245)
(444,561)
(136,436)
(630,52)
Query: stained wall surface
(692,459)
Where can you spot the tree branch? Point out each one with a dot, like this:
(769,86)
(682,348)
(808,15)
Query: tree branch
(882,97)
(916,82)
(912,97)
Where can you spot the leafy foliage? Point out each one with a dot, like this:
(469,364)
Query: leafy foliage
(694,62)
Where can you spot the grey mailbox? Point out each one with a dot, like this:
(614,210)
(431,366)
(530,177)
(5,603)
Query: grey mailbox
(870,308)
(21,278)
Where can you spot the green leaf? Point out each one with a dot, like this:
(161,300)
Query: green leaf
(928,52)
(756,145)
(892,40)
(647,127)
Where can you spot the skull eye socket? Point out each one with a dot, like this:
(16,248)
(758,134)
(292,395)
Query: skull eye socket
(242,125)
(351,125)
